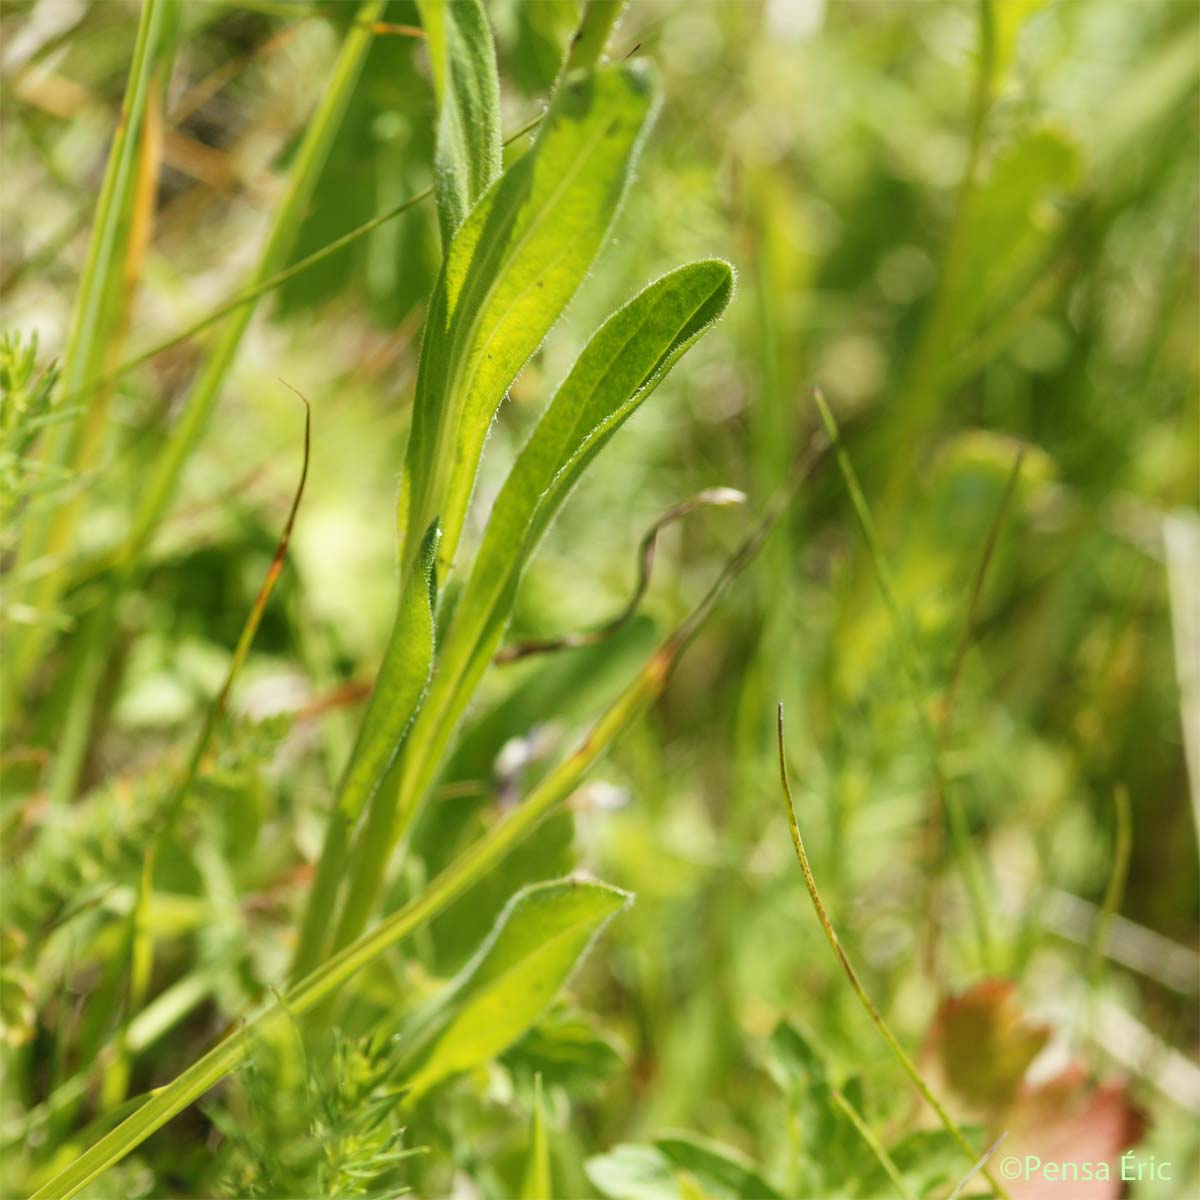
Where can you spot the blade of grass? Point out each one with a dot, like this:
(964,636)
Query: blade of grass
(960,835)
(1114,889)
(473,864)
(856,986)
(933,852)
(984,1159)
(876,1147)
(919,391)
(154,497)
(122,215)
(536,1182)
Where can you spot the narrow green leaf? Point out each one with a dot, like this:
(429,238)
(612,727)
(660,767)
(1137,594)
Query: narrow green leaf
(399,685)
(96,330)
(627,358)
(510,270)
(467,153)
(533,949)
(536,1184)
(396,697)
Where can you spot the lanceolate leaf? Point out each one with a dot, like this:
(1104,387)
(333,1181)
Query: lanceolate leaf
(531,952)
(510,270)
(467,155)
(395,698)
(625,361)
(400,684)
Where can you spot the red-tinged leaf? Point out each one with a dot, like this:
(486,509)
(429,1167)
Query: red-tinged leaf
(984,1046)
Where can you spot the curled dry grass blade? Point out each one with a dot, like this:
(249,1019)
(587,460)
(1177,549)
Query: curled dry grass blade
(709,498)
(856,985)
(246,637)
(325,981)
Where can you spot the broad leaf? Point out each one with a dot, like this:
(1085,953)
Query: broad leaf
(467,153)
(632,1172)
(532,951)
(628,357)
(510,270)
(567,1049)
(721,1171)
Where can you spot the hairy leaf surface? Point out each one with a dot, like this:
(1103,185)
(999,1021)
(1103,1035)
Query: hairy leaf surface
(510,270)
(467,154)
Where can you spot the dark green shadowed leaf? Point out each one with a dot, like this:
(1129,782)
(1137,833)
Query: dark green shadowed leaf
(532,951)
(511,269)
(467,153)
(627,358)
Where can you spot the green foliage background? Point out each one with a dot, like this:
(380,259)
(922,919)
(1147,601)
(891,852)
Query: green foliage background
(971,247)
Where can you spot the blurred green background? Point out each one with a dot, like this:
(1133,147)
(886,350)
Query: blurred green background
(964,268)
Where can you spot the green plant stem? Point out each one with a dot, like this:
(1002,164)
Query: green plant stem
(876,1016)
(876,1146)
(959,832)
(1114,890)
(920,389)
(949,696)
